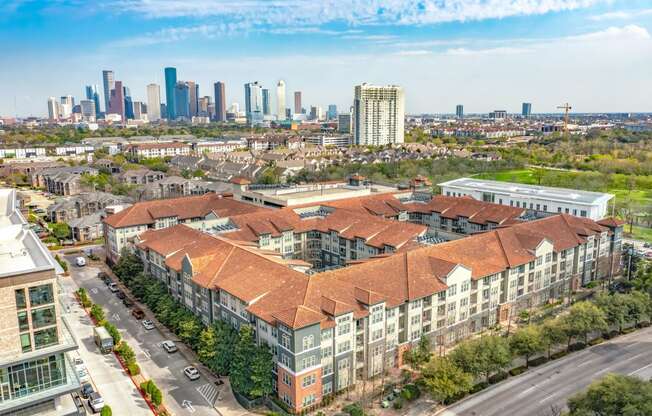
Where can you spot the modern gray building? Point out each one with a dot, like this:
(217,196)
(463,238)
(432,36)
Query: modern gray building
(108,81)
(170,86)
(254,102)
(526,110)
(459,111)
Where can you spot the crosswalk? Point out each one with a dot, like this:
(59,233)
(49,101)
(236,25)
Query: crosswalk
(209,392)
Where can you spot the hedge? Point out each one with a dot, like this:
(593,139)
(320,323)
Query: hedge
(559,354)
(517,370)
(538,361)
(576,347)
(498,377)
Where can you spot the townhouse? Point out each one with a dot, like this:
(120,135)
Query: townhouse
(328,330)
(64,180)
(199,211)
(68,208)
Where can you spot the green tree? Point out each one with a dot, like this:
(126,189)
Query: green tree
(614,308)
(639,306)
(444,380)
(614,395)
(128,267)
(483,356)
(243,357)
(261,372)
(226,340)
(189,330)
(207,345)
(97,313)
(527,341)
(552,334)
(582,319)
(126,352)
(113,331)
(61,230)
(157,396)
(106,411)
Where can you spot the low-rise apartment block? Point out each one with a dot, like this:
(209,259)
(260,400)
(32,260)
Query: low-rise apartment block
(36,374)
(330,329)
(138,151)
(63,181)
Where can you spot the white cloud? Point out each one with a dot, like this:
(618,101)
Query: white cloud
(629,32)
(415,52)
(354,12)
(620,15)
(487,51)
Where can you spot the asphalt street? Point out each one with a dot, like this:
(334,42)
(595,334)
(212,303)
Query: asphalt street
(536,392)
(181,396)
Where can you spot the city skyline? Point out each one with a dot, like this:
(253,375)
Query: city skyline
(485,58)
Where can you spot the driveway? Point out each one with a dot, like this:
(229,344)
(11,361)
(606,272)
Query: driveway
(180,395)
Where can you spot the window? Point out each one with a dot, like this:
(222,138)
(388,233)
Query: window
(391,328)
(45,338)
(326,334)
(582,213)
(308,381)
(287,379)
(452,290)
(416,304)
(308,362)
(43,317)
(464,302)
(41,295)
(343,328)
(326,352)
(308,342)
(327,388)
(548,257)
(23,322)
(539,260)
(20,299)
(465,286)
(391,313)
(308,400)
(285,341)
(285,360)
(416,319)
(25,342)
(376,335)
(343,346)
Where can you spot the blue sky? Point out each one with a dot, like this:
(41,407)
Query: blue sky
(485,54)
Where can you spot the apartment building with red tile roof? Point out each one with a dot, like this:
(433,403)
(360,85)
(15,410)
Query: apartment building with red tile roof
(330,329)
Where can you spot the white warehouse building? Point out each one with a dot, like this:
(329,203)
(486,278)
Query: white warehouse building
(540,200)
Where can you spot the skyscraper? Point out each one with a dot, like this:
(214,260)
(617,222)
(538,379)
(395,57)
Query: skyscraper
(344,123)
(459,111)
(170,86)
(220,102)
(182,100)
(266,107)
(53,108)
(117,101)
(153,102)
(138,110)
(193,97)
(108,82)
(92,94)
(297,102)
(280,100)
(332,112)
(254,102)
(129,107)
(87,109)
(526,110)
(378,115)
(204,105)
(67,103)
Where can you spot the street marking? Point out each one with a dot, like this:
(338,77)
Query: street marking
(115,317)
(188,405)
(526,391)
(586,362)
(94,290)
(546,398)
(636,356)
(208,392)
(147,354)
(604,370)
(640,369)
(631,345)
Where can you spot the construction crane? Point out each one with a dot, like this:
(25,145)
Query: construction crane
(566,107)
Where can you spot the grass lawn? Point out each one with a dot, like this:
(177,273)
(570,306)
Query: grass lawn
(617,184)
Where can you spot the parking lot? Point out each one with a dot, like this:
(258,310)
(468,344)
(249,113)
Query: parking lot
(180,395)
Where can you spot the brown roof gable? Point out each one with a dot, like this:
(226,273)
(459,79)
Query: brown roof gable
(143,213)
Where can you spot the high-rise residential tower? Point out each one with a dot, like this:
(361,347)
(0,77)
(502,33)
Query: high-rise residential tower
(459,111)
(378,115)
(331,114)
(182,100)
(266,106)
(280,100)
(170,85)
(254,102)
(108,82)
(297,102)
(153,102)
(526,110)
(220,101)
(36,370)
(53,108)
(67,103)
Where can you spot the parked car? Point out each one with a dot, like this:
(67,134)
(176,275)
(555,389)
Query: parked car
(79,404)
(121,294)
(83,376)
(169,346)
(191,372)
(138,313)
(86,390)
(107,280)
(148,324)
(96,402)
(80,261)
(102,276)
(128,302)
(113,287)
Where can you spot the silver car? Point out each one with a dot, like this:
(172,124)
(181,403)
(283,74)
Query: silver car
(169,346)
(191,372)
(148,324)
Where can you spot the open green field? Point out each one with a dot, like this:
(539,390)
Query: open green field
(637,190)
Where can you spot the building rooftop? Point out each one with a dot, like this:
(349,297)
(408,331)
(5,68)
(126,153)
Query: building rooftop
(534,191)
(21,251)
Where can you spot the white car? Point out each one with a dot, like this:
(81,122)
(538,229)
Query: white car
(96,402)
(169,346)
(113,287)
(191,372)
(80,261)
(148,324)
(82,373)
